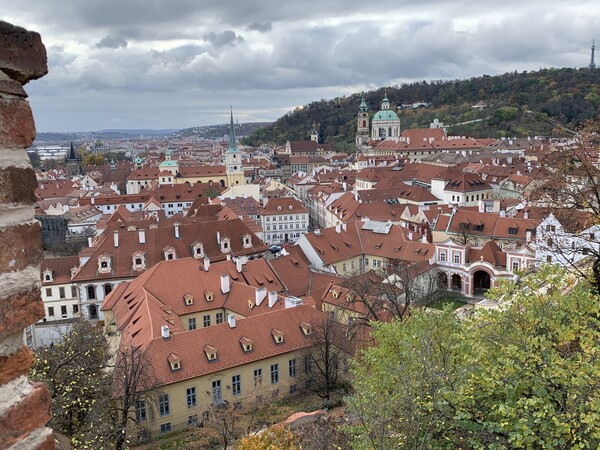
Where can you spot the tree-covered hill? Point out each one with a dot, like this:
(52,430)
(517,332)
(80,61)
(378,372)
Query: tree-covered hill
(512,104)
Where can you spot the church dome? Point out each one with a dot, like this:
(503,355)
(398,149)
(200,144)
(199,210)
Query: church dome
(385,114)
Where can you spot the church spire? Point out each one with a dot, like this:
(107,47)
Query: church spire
(232,147)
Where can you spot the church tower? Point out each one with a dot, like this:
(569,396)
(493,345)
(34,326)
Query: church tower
(233,159)
(73,162)
(314,134)
(362,129)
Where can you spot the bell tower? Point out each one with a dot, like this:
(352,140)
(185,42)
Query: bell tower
(233,159)
(362,129)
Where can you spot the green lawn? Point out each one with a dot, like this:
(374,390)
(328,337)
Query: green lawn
(447,302)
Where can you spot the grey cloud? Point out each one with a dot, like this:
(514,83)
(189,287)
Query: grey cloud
(265,27)
(227,37)
(112,42)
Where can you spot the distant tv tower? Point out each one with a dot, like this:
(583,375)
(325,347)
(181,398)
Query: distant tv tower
(592,63)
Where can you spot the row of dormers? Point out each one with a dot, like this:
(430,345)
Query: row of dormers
(246,344)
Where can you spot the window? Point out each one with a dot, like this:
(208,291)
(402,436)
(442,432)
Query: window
(219,317)
(236,385)
(75,309)
(292,367)
(192,323)
(63,311)
(193,420)
(257,377)
(51,311)
(307,364)
(165,427)
(457,258)
(91,292)
(74,291)
(293,389)
(48,292)
(190,394)
(443,256)
(515,265)
(217,394)
(206,320)
(512,230)
(163,405)
(61,292)
(274,373)
(549,259)
(551,228)
(140,411)
(549,242)
(107,289)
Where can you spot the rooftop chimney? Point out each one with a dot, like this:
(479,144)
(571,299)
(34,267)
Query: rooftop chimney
(526,214)
(142,236)
(272,298)
(527,236)
(89,242)
(338,228)
(410,235)
(260,295)
(164,331)
(225,283)
(206,264)
(176,225)
(239,265)
(218,237)
(116,238)
(231,320)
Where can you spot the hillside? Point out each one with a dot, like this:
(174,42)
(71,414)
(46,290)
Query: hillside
(513,104)
(219,131)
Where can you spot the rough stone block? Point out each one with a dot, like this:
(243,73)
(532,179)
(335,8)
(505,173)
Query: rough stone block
(14,366)
(20,247)
(22,54)
(17,128)
(10,86)
(29,414)
(19,311)
(17,185)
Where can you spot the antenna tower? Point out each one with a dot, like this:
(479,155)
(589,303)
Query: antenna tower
(592,62)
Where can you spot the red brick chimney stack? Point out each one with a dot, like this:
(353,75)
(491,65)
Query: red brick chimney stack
(24,406)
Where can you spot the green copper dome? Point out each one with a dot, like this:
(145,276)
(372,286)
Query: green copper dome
(386,114)
(363,105)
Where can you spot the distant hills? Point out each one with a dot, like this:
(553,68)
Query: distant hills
(203,132)
(544,102)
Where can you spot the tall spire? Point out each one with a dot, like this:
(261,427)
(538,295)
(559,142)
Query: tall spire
(232,147)
(592,62)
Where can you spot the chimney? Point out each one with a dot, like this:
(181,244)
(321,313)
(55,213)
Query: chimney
(176,225)
(231,320)
(344,226)
(344,186)
(93,200)
(424,238)
(502,213)
(272,298)
(225,283)
(218,237)
(89,242)
(338,228)
(116,238)
(206,264)
(142,236)
(239,265)
(410,235)
(164,331)
(260,295)
(528,236)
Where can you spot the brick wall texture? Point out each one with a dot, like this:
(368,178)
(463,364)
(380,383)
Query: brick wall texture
(24,406)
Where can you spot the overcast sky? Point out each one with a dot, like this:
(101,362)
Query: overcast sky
(181,63)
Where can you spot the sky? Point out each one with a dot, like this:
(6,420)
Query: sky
(155,64)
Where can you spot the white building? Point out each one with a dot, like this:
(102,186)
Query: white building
(283,220)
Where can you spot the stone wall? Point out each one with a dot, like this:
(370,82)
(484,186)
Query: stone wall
(24,406)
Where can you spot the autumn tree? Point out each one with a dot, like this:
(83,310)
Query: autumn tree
(73,370)
(524,375)
(572,195)
(325,360)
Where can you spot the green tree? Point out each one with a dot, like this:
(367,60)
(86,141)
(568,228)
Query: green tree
(524,375)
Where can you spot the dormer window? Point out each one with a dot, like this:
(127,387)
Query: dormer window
(209,295)
(104,264)
(277,336)
(246,344)
(225,245)
(169,253)
(290,207)
(131,228)
(335,294)
(306,328)
(188,299)
(512,230)
(198,250)
(174,362)
(348,297)
(48,275)
(279,208)
(211,352)
(139,261)
(246,241)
